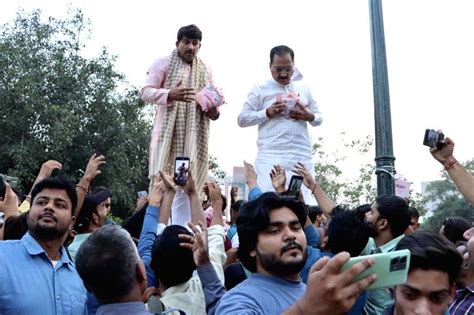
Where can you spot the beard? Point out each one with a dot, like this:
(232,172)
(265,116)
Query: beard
(43,232)
(275,266)
(372,230)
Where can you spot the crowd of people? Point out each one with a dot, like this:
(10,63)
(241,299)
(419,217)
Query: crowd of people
(180,254)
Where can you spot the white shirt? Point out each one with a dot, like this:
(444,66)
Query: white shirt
(279,138)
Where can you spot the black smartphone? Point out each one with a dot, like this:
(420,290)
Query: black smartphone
(181,170)
(295,186)
(433,139)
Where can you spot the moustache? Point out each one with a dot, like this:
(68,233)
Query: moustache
(291,245)
(47,215)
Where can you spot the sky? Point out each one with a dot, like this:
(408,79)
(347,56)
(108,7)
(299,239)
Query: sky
(429,54)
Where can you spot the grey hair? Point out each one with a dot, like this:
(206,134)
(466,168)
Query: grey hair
(107,261)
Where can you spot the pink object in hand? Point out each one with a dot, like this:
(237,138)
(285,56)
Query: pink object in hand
(209,97)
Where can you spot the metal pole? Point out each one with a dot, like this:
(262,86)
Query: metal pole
(384,159)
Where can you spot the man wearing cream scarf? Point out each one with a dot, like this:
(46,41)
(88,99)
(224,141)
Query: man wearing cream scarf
(180,127)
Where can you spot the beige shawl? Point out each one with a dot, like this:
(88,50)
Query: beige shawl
(185,129)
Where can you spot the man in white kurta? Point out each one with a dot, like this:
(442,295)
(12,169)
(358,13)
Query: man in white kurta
(283,136)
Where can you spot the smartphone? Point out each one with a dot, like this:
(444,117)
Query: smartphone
(433,139)
(181,170)
(142,194)
(13,181)
(295,186)
(391,268)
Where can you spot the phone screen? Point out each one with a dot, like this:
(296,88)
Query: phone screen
(142,194)
(181,170)
(295,186)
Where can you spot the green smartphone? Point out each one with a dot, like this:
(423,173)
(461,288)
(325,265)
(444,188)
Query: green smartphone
(391,268)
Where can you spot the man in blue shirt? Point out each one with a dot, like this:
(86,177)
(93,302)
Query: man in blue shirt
(273,247)
(37,276)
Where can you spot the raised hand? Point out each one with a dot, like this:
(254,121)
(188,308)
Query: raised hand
(47,168)
(198,243)
(168,178)
(189,188)
(308,179)
(278,177)
(9,203)
(92,169)
(155,196)
(250,175)
(445,154)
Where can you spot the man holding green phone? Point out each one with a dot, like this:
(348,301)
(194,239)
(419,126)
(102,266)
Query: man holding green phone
(434,267)
(388,219)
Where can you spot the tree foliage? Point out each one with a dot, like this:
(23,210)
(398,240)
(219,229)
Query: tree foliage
(329,168)
(215,169)
(57,104)
(447,201)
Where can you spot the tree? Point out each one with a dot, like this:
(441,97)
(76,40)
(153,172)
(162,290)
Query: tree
(215,169)
(56,104)
(449,202)
(329,168)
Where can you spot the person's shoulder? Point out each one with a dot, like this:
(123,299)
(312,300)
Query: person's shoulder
(160,63)
(242,298)
(10,245)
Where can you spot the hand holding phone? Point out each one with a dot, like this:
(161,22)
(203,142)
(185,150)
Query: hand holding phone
(391,268)
(295,186)
(181,170)
(433,139)
(142,194)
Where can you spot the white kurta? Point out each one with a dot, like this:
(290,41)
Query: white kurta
(280,140)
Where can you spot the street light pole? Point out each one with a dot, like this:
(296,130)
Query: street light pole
(384,159)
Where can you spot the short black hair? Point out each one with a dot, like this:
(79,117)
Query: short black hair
(454,228)
(172,263)
(347,231)
(57,182)
(395,210)
(254,217)
(93,199)
(313,212)
(15,227)
(106,262)
(280,51)
(189,31)
(414,213)
(430,250)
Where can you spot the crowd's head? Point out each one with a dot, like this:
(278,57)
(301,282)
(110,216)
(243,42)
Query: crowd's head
(94,210)
(347,231)
(109,264)
(415,217)
(172,263)
(271,234)
(434,266)
(389,215)
(453,229)
(51,214)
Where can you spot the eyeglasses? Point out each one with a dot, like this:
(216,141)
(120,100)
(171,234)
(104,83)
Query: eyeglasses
(283,69)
